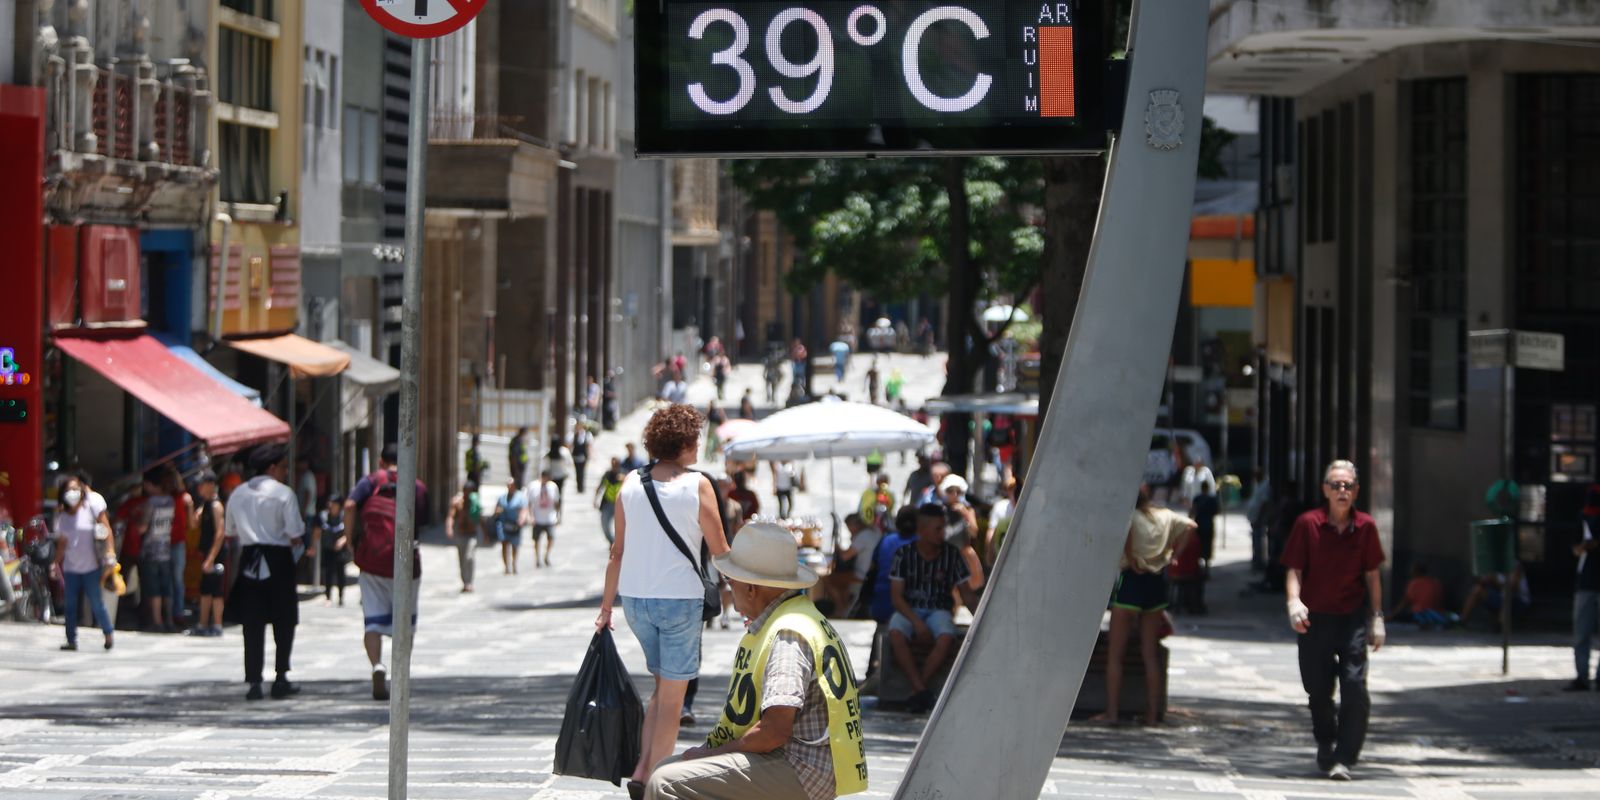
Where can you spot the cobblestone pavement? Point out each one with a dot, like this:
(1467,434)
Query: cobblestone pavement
(164,716)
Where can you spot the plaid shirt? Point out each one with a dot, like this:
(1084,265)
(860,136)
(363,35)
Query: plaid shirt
(791,682)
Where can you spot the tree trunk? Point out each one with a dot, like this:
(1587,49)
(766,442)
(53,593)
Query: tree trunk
(963,363)
(1071,204)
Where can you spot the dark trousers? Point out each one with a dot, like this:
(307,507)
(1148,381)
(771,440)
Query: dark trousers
(785,503)
(578,470)
(1334,650)
(255,648)
(332,574)
(1189,596)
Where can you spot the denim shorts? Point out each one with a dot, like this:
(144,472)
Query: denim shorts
(940,623)
(669,632)
(155,579)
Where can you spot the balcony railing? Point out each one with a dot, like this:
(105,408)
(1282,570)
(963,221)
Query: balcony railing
(483,127)
(166,127)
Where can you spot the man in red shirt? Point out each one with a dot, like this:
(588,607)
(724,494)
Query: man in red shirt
(1335,602)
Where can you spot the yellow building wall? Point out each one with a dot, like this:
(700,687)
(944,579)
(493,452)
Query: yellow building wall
(262,291)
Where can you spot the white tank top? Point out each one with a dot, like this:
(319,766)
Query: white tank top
(652,566)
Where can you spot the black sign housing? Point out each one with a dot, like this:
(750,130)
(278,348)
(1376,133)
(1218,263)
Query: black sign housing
(871,77)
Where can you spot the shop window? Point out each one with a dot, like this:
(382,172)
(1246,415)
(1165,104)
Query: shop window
(1436,239)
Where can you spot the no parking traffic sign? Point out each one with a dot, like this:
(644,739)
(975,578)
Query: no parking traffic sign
(423,19)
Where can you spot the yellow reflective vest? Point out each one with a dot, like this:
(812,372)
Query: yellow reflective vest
(830,661)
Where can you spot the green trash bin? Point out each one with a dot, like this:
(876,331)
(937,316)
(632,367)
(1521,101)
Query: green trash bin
(1231,490)
(1493,546)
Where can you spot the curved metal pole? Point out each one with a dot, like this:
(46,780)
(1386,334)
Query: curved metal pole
(1016,678)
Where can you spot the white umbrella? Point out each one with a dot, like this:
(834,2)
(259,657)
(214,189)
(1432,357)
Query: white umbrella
(828,428)
(1003,313)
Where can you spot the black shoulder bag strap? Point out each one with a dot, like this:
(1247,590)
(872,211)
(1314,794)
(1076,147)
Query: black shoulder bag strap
(713,593)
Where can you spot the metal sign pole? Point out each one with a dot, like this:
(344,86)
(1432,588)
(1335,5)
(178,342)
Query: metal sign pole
(405,511)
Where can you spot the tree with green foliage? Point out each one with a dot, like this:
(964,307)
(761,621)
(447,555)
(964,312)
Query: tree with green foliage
(964,228)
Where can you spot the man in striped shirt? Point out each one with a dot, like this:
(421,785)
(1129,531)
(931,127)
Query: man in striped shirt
(920,583)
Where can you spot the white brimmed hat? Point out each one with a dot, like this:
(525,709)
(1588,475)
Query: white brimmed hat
(766,555)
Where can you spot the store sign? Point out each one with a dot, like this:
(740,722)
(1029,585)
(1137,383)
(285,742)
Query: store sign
(836,78)
(1491,349)
(1487,349)
(1535,350)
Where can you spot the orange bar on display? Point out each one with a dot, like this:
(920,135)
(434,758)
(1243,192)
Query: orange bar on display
(1055,72)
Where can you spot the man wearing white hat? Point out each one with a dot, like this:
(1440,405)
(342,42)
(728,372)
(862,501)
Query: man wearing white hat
(791,728)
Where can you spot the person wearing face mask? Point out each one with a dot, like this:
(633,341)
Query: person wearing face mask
(81,542)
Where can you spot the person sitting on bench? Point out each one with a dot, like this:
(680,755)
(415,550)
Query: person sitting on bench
(920,583)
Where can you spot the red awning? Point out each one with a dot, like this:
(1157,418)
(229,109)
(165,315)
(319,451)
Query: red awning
(146,369)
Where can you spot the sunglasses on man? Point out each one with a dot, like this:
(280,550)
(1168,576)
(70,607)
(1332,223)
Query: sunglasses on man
(1341,486)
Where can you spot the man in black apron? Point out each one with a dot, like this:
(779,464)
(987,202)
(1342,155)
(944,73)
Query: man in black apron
(263,514)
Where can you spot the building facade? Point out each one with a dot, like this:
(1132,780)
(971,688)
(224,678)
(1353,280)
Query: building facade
(1426,173)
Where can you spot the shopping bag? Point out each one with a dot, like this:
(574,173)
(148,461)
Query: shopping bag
(600,731)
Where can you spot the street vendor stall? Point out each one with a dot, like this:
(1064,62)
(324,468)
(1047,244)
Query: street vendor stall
(829,428)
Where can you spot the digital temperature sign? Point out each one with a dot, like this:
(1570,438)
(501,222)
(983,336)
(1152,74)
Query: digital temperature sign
(842,77)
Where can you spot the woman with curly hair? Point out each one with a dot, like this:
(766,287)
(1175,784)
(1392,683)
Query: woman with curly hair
(661,589)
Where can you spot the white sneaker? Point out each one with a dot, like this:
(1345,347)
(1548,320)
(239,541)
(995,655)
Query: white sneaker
(380,683)
(1339,772)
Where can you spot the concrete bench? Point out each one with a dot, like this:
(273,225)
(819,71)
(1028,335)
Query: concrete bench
(1092,694)
(894,688)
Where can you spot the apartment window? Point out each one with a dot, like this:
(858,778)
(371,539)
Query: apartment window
(609,131)
(352,144)
(1310,164)
(320,75)
(371,147)
(596,113)
(246,163)
(244,74)
(333,91)
(1437,244)
(578,122)
(1558,195)
(363,145)
(255,8)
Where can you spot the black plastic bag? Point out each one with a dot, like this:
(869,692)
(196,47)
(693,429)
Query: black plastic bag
(600,732)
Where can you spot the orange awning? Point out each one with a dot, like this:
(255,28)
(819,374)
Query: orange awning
(305,358)
(146,369)
(1223,226)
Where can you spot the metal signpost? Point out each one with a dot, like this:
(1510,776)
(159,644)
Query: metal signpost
(1000,76)
(1508,350)
(421,20)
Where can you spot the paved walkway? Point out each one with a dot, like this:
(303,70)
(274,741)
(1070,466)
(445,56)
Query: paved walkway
(164,716)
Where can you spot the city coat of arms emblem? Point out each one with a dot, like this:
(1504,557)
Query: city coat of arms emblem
(1163,120)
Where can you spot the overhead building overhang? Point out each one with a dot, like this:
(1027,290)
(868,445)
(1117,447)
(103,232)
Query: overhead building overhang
(1287,48)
